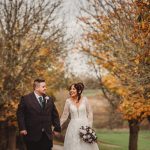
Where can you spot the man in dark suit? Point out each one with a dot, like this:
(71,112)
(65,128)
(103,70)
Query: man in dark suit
(36,114)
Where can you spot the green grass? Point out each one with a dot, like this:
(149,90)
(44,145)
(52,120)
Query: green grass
(118,140)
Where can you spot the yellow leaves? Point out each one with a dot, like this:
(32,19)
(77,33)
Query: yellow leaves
(137,61)
(119,46)
(43,52)
(134,108)
(137,105)
(9,112)
(122,91)
(95,37)
(114,84)
(110,81)
(11,104)
(144,25)
(107,65)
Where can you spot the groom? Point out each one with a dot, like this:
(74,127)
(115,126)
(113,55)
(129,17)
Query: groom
(36,114)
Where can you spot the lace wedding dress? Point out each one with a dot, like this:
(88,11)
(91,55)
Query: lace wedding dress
(80,116)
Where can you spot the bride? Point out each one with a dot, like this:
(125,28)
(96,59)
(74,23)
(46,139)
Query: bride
(81,115)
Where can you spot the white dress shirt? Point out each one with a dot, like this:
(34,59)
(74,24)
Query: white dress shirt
(37,97)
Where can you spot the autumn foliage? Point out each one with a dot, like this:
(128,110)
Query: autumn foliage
(31,46)
(137,105)
(117,37)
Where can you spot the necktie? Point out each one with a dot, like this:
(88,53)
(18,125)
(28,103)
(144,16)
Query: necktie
(41,101)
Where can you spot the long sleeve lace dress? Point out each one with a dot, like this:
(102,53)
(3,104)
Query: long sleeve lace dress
(80,116)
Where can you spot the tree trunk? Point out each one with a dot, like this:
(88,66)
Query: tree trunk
(11,138)
(133,137)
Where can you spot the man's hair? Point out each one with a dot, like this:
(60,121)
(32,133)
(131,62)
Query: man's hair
(37,82)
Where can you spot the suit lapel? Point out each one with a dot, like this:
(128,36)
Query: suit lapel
(35,102)
(45,102)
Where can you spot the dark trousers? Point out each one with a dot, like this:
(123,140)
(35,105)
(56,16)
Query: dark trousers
(43,144)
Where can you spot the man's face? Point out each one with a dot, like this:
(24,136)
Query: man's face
(41,88)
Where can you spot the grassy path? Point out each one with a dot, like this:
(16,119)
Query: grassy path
(118,140)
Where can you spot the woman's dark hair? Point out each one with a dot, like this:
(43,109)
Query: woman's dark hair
(79,87)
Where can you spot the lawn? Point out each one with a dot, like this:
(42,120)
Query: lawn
(118,140)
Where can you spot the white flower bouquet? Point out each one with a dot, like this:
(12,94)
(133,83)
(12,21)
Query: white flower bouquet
(87,134)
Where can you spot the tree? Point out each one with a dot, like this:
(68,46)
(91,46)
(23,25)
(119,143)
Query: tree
(121,45)
(31,43)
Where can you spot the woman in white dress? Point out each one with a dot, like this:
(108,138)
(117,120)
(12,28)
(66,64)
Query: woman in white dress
(81,115)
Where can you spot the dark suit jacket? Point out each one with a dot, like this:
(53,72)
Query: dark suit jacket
(33,118)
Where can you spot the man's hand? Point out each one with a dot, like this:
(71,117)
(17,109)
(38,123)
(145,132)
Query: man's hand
(56,133)
(23,132)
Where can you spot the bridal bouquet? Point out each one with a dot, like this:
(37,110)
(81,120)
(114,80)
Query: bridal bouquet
(87,134)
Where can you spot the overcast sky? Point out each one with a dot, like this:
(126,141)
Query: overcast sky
(71,9)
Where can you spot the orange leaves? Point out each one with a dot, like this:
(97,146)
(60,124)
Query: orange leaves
(123,91)
(9,112)
(110,65)
(142,27)
(119,42)
(142,3)
(133,104)
(134,109)
(110,81)
(44,52)
(115,86)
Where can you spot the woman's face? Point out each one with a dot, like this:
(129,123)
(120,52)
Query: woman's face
(73,91)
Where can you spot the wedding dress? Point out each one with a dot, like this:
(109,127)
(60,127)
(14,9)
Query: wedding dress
(80,116)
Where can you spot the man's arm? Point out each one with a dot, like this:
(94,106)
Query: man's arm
(20,116)
(55,119)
